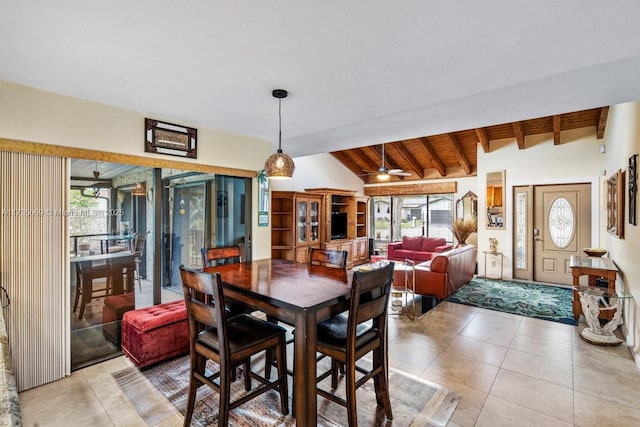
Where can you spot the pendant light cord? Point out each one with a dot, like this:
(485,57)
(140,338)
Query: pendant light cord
(279,125)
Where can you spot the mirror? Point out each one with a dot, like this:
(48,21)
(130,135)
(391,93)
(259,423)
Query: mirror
(467,206)
(495,200)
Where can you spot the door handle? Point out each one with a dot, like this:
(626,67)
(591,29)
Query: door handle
(537,239)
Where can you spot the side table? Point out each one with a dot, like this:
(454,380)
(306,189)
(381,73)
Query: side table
(498,256)
(594,300)
(403,298)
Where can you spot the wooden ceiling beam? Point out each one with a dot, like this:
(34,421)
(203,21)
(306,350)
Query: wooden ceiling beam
(557,126)
(518,130)
(416,167)
(366,160)
(344,158)
(390,160)
(602,122)
(483,137)
(440,167)
(462,159)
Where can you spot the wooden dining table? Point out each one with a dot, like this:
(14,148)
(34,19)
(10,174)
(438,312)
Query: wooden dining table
(290,293)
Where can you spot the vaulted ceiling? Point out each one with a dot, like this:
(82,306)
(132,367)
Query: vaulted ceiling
(454,154)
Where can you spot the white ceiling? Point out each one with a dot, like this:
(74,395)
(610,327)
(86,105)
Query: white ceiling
(358,72)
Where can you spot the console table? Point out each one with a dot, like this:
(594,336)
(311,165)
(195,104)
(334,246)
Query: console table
(594,267)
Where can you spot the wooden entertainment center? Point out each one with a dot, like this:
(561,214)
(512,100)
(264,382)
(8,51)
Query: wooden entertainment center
(325,218)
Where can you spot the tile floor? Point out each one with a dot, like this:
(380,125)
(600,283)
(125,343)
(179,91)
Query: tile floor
(510,371)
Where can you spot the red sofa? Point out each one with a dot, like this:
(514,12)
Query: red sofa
(445,273)
(417,249)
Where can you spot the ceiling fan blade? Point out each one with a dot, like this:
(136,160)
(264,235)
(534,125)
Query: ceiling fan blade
(395,171)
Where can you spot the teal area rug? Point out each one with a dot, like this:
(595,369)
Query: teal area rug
(526,299)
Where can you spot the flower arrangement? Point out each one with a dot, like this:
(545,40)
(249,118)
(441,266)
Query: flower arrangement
(462,229)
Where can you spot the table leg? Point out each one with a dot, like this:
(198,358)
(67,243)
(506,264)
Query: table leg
(575,304)
(304,381)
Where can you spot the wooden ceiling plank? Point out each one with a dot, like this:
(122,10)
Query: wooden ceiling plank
(390,160)
(416,167)
(440,167)
(518,130)
(483,137)
(344,158)
(557,126)
(366,160)
(464,162)
(602,122)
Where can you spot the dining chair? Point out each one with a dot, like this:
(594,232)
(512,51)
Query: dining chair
(226,255)
(222,255)
(230,342)
(349,336)
(86,272)
(327,258)
(139,240)
(325,262)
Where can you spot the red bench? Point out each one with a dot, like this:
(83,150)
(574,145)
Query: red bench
(153,334)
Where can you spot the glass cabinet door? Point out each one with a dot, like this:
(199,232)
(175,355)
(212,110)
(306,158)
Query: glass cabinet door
(314,221)
(302,221)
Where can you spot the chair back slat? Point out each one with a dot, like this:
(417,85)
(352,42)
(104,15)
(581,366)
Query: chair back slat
(327,258)
(222,255)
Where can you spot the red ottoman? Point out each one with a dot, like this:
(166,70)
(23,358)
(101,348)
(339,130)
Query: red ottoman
(156,333)
(112,311)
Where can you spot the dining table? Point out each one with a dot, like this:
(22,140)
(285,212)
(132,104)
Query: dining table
(295,295)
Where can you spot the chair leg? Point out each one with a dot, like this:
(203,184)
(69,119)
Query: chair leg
(282,375)
(196,361)
(268,363)
(350,388)
(334,374)
(225,396)
(381,384)
(247,375)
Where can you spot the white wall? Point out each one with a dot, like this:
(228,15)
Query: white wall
(576,159)
(32,115)
(623,140)
(319,171)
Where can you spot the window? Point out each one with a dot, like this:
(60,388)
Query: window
(428,215)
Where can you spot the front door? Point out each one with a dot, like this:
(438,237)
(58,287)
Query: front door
(553,226)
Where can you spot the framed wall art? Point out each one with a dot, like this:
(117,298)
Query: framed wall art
(633,189)
(167,138)
(615,204)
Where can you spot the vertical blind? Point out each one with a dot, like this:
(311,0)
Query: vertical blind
(33,265)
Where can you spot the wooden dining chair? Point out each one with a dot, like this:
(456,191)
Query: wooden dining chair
(324,262)
(139,240)
(230,342)
(328,258)
(222,255)
(226,255)
(86,272)
(347,337)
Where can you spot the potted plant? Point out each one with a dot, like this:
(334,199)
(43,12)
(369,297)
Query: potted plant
(462,229)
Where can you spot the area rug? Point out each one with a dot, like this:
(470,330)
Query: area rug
(415,402)
(526,299)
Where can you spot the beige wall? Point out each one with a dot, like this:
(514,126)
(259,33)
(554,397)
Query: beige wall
(623,139)
(576,159)
(32,115)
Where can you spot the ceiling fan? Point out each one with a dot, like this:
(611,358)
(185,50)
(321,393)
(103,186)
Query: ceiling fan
(384,173)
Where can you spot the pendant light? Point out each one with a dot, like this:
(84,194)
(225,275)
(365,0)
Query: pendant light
(279,165)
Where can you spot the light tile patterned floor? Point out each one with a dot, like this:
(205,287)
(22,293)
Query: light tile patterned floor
(510,370)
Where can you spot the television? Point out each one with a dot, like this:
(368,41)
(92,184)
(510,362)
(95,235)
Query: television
(338,225)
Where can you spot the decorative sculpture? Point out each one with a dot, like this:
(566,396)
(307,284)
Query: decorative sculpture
(493,244)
